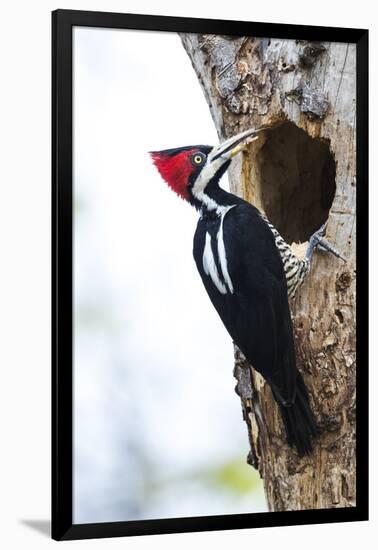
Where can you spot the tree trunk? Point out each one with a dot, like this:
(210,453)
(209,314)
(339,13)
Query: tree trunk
(300,172)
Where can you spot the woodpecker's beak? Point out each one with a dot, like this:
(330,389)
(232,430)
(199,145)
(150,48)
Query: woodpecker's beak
(232,146)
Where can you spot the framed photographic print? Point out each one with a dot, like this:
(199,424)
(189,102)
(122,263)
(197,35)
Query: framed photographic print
(209,234)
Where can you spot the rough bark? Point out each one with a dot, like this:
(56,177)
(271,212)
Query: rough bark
(300,172)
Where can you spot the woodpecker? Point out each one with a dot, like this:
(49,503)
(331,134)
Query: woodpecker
(249,273)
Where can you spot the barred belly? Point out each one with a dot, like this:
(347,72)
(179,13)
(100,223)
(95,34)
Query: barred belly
(294,268)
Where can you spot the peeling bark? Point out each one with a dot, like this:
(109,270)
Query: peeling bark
(301,171)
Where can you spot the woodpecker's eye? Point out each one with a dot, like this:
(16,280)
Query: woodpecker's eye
(198,158)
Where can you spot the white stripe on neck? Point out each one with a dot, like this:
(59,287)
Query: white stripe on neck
(207,173)
(209,203)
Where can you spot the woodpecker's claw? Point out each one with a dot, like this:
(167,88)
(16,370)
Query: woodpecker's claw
(317,241)
(325,245)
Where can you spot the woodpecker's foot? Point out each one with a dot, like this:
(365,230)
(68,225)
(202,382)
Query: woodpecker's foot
(317,240)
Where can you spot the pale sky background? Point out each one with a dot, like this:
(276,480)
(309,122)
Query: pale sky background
(158,428)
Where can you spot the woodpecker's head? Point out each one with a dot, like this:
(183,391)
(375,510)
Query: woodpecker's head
(191,171)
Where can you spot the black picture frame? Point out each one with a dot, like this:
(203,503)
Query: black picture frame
(63,22)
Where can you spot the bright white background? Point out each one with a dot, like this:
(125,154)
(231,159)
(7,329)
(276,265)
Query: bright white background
(25,271)
(158,429)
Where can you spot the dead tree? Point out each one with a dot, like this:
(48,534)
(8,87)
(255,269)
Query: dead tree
(300,173)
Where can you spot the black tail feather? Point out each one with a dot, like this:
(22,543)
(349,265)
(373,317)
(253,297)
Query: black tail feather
(299,420)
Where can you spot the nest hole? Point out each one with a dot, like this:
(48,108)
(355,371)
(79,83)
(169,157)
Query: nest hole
(297,181)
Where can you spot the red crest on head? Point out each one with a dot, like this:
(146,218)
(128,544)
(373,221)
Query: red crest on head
(175,170)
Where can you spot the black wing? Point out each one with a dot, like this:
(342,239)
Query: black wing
(256,314)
